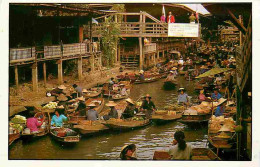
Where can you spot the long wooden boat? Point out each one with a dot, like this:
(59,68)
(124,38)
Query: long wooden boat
(87,127)
(74,119)
(165,118)
(169,84)
(197,154)
(13,137)
(73,138)
(119,97)
(147,80)
(93,93)
(195,119)
(123,125)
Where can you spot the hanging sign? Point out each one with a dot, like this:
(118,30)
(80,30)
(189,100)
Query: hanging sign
(183,30)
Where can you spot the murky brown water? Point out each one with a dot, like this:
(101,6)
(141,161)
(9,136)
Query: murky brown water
(108,146)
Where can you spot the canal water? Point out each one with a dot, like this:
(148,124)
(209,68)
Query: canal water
(108,145)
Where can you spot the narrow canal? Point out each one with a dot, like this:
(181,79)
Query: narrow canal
(108,146)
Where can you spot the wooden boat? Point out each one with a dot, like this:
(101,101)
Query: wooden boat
(195,119)
(13,137)
(197,154)
(94,92)
(42,131)
(123,125)
(72,138)
(182,72)
(119,97)
(165,118)
(169,84)
(74,118)
(147,80)
(87,127)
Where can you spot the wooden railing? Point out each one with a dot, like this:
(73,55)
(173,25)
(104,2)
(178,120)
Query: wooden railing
(53,51)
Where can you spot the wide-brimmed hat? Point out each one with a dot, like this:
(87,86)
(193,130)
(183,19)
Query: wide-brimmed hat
(229,103)
(122,84)
(129,100)
(174,68)
(181,89)
(91,105)
(203,67)
(111,104)
(81,98)
(171,72)
(62,87)
(62,97)
(125,148)
(141,71)
(84,91)
(221,101)
(60,107)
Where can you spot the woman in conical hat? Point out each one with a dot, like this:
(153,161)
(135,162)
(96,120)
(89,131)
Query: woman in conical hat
(221,107)
(128,152)
(113,112)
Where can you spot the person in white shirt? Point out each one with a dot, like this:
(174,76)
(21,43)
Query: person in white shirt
(181,150)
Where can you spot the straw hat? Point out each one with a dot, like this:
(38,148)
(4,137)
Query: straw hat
(203,67)
(171,72)
(229,103)
(129,100)
(141,71)
(91,105)
(84,91)
(62,97)
(221,100)
(122,84)
(174,68)
(125,148)
(111,104)
(181,89)
(202,91)
(60,107)
(81,98)
(62,87)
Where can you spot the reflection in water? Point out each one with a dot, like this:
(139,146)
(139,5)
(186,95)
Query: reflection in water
(108,146)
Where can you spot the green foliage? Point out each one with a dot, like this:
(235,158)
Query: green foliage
(110,31)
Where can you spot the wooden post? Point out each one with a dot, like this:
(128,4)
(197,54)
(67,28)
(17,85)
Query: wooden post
(158,54)
(154,59)
(240,33)
(163,54)
(118,53)
(80,68)
(141,53)
(116,44)
(16,76)
(44,74)
(80,34)
(60,72)
(92,59)
(35,77)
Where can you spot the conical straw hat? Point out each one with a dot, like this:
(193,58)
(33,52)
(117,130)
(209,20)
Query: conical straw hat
(129,100)
(62,87)
(111,104)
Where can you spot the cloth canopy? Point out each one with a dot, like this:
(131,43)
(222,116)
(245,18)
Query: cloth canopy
(213,71)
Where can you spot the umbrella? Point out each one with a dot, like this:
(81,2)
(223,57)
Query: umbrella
(213,72)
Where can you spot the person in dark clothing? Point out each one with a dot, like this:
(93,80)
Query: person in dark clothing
(130,109)
(57,91)
(78,90)
(128,152)
(113,112)
(148,106)
(81,106)
(126,77)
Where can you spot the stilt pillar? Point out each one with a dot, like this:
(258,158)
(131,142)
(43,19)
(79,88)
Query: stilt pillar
(141,62)
(16,76)
(80,68)
(35,77)
(44,74)
(60,72)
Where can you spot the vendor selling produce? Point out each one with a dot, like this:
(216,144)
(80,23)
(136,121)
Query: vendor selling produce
(81,106)
(216,95)
(130,109)
(33,123)
(57,91)
(221,107)
(148,106)
(113,112)
(58,119)
(170,77)
(183,97)
(123,91)
(92,114)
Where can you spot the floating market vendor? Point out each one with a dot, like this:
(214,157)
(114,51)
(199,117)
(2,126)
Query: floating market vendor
(81,106)
(221,107)
(57,91)
(123,90)
(170,77)
(148,106)
(130,109)
(174,69)
(141,75)
(113,112)
(183,97)
(216,95)
(92,114)
(58,119)
(78,90)
(126,77)
(202,96)
(180,149)
(33,123)
(128,152)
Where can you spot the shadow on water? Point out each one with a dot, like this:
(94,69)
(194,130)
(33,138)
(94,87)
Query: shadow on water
(107,145)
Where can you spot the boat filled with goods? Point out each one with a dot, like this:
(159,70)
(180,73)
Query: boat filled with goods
(164,116)
(92,92)
(87,127)
(64,135)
